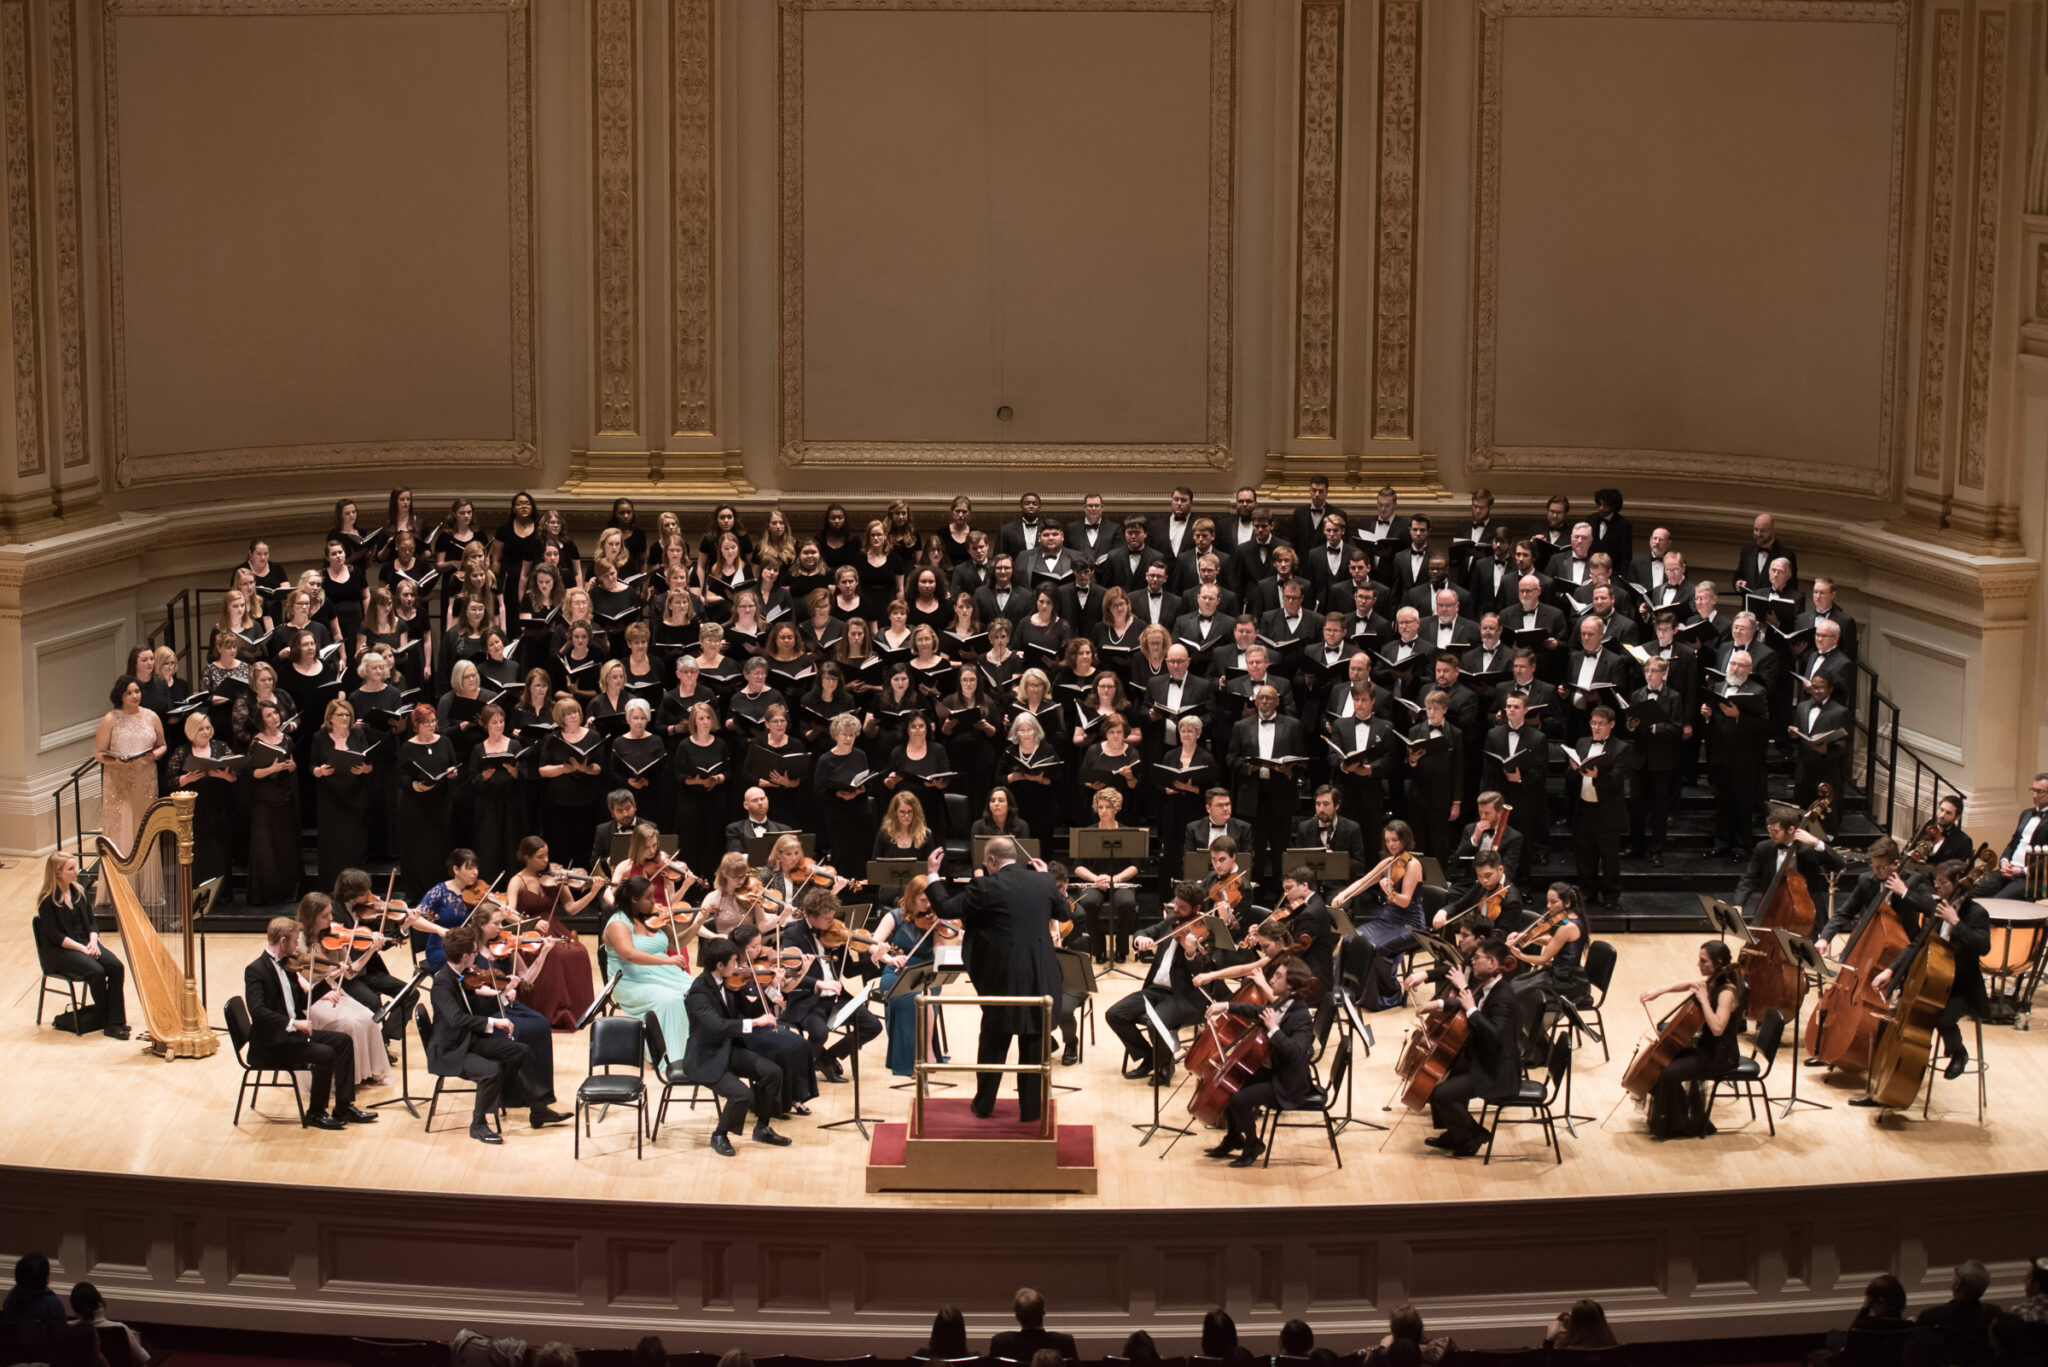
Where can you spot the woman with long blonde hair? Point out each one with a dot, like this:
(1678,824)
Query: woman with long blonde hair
(67,926)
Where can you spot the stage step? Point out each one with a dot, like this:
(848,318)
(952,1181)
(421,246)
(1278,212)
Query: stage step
(952,1149)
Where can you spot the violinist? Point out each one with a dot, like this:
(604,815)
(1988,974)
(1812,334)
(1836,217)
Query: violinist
(1307,919)
(1553,957)
(1787,840)
(1492,831)
(1108,899)
(907,937)
(1265,949)
(1886,878)
(736,900)
(473,1038)
(1489,1065)
(648,952)
(646,859)
(357,906)
(790,871)
(1372,953)
(326,962)
(1943,838)
(1228,885)
(1286,1083)
(280,1035)
(1678,1102)
(557,973)
(821,988)
(1961,920)
(1490,899)
(781,1045)
(713,1057)
(1169,987)
(448,904)
(498,947)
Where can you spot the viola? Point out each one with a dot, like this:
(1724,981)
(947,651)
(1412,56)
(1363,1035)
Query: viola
(1227,892)
(1192,933)
(929,918)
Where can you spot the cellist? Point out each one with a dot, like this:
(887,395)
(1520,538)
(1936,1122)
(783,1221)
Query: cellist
(1787,839)
(1678,1102)
(1967,929)
(1286,1081)
(1490,1065)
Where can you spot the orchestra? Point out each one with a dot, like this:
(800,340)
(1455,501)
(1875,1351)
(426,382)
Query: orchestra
(1242,692)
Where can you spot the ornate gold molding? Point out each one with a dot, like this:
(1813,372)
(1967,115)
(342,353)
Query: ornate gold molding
(1941,222)
(1990,149)
(1214,452)
(692,187)
(1394,205)
(522,450)
(614,161)
(1318,201)
(17,112)
(64,212)
(1486,453)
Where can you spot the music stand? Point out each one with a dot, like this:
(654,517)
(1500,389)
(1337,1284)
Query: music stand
(894,873)
(1725,919)
(909,983)
(1360,1030)
(1194,866)
(758,846)
(203,898)
(1800,951)
(1327,866)
(1173,1051)
(1126,844)
(603,998)
(1077,974)
(400,1004)
(1443,949)
(840,1020)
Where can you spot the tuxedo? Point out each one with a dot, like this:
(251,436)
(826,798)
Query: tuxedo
(1408,567)
(1308,523)
(1286,1082)
(276,999)
(1616,537)
(1195,691)
(1544,704)
(738,833)
(1671,597)
(1600,815)
(1168,991)
(1171,538)
(1198,834)
(2030,833)
(1753,565)
(1812,618)
(1510,849)
(1307,628)
(1096,541)
(1735,752)
(1492,584)
(1162,612)
(1526,793)
(1013,604)
(1009,953)
(1606,667)
(1968,940)
(712,1058)
(1342,836)
(1082,615)
(1059,569)
(1838,669)
(1422,597)
(1864,894)
(1017,536)
(1121,569)
(1831,766)
(1656,724)
(1266,797)
(465,1043)
(1249,563)
(1806,862)
(1460,636)
(1489,1067)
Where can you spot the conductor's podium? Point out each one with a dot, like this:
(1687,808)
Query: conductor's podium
(946,1147)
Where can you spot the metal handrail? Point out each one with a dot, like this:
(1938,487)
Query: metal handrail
(1886,755)
(927,1002)
(87,855)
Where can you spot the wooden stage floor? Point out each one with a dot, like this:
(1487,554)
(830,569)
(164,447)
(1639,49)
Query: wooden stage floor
(94,1105)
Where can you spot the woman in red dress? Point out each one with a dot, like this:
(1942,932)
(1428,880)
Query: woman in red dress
(562,987)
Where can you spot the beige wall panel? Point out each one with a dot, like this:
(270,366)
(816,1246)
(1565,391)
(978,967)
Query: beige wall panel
(1693,236)
(1006,208)
(314,230)
(73,672)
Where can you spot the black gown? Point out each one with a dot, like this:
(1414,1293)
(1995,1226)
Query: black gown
(342,830)
(423,817)
(213,816)
(849,830)
(499,808)
(1678,1102)
(383,712)
(931,799)
(276,865)
(697,815)
(572,804)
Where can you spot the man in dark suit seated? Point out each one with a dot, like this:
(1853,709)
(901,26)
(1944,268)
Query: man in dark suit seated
(823,989)
(1328,830)
(1169,990)
(753,825)
(1483,835)
(717,1023)
(1489,1067)
(1030,1335)
(472,1038)
(280,1036)
(1286,1082)
(2030,834)
(1788,840)
(625,810)
(1007,915)
(1967,930)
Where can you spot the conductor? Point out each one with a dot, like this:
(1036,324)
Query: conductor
(1007,916)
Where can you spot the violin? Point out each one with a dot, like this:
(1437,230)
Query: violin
(1489,906)
(485,978)
(838,935)
(1284,913)
(337,938)
(559,877)
(929,918)
(1192,934)
(1394,866)
(1226,892)
(809,870)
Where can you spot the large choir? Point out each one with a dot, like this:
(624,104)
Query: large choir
(1292,761)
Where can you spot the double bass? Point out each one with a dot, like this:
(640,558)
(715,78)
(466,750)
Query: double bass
(1899,1060)
(1841,1032)
(1774,979)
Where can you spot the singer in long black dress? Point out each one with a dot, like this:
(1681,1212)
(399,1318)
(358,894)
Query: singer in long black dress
(213,811)
(342,783)
(275,862)
(1678,1101)
(380,706)
(638,760)
(493,776)
(848,822)
(572,763)
(424,762)
(698,799)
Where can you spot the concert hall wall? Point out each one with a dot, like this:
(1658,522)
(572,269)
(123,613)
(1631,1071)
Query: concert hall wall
(1724,254)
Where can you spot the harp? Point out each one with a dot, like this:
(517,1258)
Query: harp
(170,999)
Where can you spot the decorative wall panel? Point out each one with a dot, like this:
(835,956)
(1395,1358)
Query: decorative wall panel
(1318,201)
(1395,199)
(614,115)
(1990,152)
(692,88)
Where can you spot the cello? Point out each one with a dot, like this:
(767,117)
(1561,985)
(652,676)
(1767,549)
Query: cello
(1225,1054)
(1426,1058)
(1676,1032)
(1900,1057)
(1841,1032)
